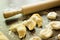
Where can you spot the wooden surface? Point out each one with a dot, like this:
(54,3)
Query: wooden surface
(4,24)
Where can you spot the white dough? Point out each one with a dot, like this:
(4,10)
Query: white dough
(46,33)
(30,24)
(52,15)
(37,18)
(21,29)
(13,27)
(34,20)
(55,24)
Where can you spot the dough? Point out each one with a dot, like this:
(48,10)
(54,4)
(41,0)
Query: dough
(46,33)
(21,29)
(13,27)
(37,18)
(30,24)
(55,24)
(52,15)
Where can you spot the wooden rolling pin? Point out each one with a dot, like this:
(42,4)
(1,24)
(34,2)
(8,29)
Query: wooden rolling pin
(28,9)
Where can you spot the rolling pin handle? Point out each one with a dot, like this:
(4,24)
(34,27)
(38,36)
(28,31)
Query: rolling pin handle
(11,13)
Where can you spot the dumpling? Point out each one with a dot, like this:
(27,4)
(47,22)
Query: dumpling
(35,38)
(30,24)
(46,33)
(13,27)
(32,21)
(21,29)
(52,15)
(55,24)
(3,37)
(37,18)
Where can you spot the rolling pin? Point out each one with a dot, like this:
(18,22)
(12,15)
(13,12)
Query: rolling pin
(28,9)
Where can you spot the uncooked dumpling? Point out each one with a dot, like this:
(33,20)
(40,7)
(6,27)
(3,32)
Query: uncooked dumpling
(21,29)
(13,27)
(37,18)
(55,24)
(46,33)
(32,21)
(52,15)
(30,24)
